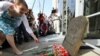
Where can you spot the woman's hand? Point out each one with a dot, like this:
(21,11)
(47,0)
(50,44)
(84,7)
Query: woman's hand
(36,40)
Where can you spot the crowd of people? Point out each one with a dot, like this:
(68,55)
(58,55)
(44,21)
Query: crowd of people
(17,23)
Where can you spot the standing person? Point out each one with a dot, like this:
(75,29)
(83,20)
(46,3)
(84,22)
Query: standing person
(43,25)
(54,19)
(11,16)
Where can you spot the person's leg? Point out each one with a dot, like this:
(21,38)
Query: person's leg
(11,41)
(2,39)
(1,42)
(19,35)
(56,26)
(25,33)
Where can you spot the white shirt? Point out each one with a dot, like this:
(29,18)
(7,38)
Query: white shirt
(4,5)
(26,24)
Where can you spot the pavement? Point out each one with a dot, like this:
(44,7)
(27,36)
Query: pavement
(30,47)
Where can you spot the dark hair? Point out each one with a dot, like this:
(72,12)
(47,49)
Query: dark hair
(40,14)
(21,2)
(54,11)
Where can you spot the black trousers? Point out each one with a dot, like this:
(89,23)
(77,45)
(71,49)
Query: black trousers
(21,34)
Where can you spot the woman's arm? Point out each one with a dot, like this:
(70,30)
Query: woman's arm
(27,27)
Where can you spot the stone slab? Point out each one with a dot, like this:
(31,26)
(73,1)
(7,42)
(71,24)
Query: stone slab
(75,33)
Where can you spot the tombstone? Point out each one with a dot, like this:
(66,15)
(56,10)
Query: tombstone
(75,33)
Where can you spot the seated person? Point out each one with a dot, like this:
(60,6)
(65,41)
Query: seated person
(43,25)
